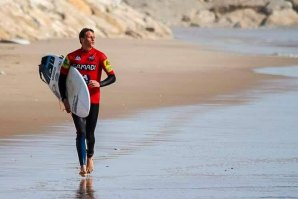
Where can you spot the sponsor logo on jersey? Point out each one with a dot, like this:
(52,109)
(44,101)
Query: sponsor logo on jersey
(78,58)
(107,65)
(86,78)
(91,58)
(66,63)
(85,66)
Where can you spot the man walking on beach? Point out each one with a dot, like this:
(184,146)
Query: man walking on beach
(90,62)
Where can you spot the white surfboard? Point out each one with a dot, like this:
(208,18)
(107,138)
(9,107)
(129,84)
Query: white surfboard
(77,90)
(77,93)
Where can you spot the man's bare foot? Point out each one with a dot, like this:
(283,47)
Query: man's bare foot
(90,165)
(83,171)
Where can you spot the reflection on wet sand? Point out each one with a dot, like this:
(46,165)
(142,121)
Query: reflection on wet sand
(246,150)
(85,189)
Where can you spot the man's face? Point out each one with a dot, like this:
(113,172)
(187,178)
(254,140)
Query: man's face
(89,40)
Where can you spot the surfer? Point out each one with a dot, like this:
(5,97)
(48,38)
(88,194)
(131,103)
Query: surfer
(90,62)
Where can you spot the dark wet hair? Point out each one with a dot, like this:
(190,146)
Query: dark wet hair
(83,32)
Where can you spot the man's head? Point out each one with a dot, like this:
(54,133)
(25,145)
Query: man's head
(87,38)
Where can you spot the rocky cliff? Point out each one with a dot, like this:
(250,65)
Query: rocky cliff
(43,19)
(221,13)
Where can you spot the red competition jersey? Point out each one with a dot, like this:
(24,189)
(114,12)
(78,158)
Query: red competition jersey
(90,64)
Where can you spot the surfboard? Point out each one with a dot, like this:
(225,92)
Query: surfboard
(77,91)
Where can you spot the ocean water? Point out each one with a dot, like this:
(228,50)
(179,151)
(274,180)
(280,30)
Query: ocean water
(245,150)
(265,41)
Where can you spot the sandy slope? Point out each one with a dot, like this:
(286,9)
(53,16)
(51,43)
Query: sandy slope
(149,74)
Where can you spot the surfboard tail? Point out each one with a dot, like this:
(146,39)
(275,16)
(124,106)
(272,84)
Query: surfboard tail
(47,67)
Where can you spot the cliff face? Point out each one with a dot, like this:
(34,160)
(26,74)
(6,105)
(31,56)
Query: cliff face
(221,13)
(43,19)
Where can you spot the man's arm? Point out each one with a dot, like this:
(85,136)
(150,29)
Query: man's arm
(62,83)
(62,90)
(109,80)
(110,72)
(62,86)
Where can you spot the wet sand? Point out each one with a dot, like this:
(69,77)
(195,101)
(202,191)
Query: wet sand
(150,74)
(231,134)
(211,150)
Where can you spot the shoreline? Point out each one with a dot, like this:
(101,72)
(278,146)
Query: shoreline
(150,74)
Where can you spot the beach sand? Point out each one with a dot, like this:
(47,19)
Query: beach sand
(150,74)
(180,122)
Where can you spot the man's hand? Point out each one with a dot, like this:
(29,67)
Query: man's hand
(94,84)
(66,105)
